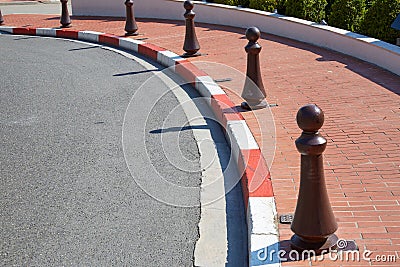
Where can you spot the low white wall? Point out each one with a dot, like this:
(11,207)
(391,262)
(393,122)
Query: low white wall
(371,50)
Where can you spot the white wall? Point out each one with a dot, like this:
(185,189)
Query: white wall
(371,50)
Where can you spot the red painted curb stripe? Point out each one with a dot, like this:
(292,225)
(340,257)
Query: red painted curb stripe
(150,50)
(109,39)
(188,71)
(256,178)
(24,31)
(224,109)
(67,34)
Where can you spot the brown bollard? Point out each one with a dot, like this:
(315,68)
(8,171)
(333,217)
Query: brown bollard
(130,23)
(65,20)
(1,18)
(191,44)
(314,224)
(253,91)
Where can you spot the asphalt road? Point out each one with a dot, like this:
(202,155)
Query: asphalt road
(67,197)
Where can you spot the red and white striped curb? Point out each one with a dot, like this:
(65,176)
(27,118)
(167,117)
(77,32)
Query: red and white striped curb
(255,180)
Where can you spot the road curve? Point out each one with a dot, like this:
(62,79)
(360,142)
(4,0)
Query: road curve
(67,196)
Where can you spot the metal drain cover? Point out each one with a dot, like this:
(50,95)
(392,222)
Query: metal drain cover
(286,218)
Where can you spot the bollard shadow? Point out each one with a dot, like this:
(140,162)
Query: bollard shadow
(133,73)
(233,110)
(24,38)
(101,18)
(83,48)
(242,110)
(180,129)
(53,18)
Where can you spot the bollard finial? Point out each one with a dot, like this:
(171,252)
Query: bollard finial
(314,223)
(188,5)
(130,22)
(253,34)
(191,44)
(310,118)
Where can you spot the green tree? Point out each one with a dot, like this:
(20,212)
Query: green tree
(379,18)
(313,10)
(347,14)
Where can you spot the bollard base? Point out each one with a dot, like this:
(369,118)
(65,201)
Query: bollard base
(299,244)
(186,55)
(261,105)
(66,26)
(131,34)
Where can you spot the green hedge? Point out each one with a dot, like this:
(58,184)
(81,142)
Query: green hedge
(281,7)
(347,14)
(369,17)
(313,10)
(227,2)
(328,8)
(244,3)
(264,5)
(379,18)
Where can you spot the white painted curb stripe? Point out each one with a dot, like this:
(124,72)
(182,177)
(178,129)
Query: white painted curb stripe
(46,32)
(89,36)
(168,59)
(263,231)
(6,29)
(130,44)
(207,87)
(240,137)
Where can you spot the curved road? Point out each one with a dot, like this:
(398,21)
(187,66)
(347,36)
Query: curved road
(67,197)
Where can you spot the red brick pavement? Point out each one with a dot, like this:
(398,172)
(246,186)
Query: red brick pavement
(362,122)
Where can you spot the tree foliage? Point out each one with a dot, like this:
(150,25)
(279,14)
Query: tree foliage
(379,18)
(347,14)
(227,2)
(313,10)
(264,5)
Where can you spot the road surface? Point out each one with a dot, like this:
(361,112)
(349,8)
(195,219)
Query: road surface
(67,196)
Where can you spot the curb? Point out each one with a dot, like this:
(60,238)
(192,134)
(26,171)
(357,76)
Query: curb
(255,177)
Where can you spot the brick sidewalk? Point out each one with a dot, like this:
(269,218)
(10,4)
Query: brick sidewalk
(362,121)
